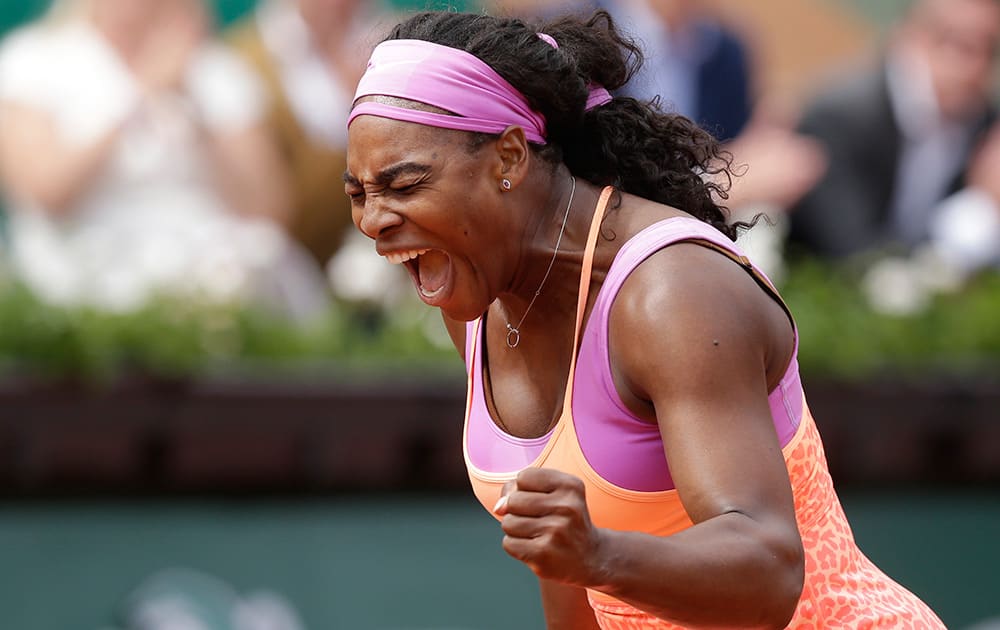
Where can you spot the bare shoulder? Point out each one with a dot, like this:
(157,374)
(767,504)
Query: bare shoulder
(692,312)
(693,277)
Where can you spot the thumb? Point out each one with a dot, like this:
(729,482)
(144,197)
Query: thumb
(500,508)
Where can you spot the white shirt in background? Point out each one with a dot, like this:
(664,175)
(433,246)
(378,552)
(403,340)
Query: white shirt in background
(152,221)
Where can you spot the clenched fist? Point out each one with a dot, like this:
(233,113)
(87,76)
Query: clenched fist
(544,516)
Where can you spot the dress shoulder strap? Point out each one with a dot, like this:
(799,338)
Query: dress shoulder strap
(582,294)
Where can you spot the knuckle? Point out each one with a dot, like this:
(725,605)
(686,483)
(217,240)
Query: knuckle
(566,509)
(526,475)
(510,546)
(509,524)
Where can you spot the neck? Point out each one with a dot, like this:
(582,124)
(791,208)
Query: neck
(543,224)
(123,37)
(543,282)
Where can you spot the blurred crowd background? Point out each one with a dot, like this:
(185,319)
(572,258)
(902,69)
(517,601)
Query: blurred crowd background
(219,409)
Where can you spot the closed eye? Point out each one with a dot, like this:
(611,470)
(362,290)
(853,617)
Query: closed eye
(352,187)
(405,189)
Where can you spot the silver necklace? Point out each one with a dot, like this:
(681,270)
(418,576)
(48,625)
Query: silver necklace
(514,332)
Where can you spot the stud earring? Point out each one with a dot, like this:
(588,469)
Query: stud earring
(505,183)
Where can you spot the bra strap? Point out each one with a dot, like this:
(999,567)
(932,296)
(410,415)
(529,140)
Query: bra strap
(581,304)
(755,273)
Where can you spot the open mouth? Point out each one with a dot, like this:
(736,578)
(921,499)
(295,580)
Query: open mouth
(430,269)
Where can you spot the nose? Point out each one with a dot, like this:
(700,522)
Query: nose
(375,217)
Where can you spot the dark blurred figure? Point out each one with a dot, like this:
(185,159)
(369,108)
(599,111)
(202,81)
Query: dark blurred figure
(695,64)
(698,65)
(539,9)
(900,139)
(310,55)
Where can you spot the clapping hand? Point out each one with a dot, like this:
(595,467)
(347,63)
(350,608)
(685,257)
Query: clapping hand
(985,166)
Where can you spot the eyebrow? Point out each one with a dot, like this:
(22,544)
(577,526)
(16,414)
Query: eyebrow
(386,175)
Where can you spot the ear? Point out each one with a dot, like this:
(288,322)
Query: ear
(513,155)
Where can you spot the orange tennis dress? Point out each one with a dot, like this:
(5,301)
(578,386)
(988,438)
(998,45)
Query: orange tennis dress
(629,489)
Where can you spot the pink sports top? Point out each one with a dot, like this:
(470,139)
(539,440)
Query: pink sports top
(621,462)
(621,447)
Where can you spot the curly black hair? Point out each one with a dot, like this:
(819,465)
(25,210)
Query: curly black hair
(629,144)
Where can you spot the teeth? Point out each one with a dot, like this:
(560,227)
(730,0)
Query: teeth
(430,294)
(398,258)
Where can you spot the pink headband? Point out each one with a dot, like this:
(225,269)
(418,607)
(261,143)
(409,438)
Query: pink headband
(598,94)
(449,79)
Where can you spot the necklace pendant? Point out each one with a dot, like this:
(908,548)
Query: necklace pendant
(513,336)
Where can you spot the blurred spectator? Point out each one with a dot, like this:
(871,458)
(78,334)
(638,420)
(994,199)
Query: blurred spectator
(136,162)
(900,138)
(310,55)
(702,68)
(540,9)
(694,62)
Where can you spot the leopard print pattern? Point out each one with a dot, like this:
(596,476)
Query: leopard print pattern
(842,589)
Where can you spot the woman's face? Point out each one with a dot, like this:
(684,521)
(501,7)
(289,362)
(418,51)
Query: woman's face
(433,206)
(324,14)
(138,16)
(960,41)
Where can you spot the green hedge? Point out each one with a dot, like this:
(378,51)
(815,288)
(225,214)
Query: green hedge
(840,335)
(172,338)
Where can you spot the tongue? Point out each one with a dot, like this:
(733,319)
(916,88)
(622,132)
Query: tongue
(433,270)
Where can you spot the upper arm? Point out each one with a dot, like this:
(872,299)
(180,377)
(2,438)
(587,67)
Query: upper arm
(253,172)
(38,164)
(696,337)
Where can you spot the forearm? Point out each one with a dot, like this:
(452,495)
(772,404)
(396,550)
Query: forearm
(566,607)
(725,572)
(41,167)
(251,178)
